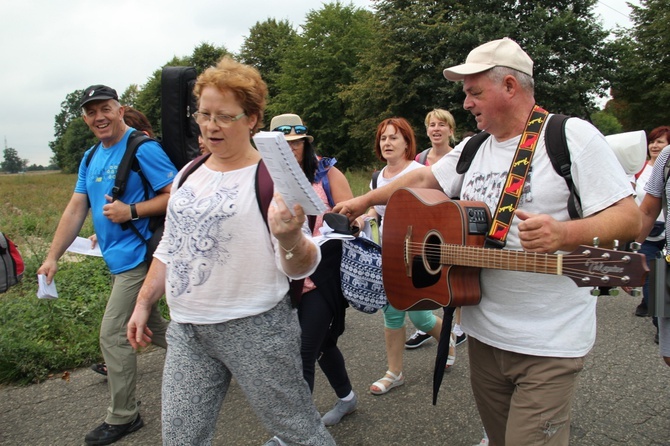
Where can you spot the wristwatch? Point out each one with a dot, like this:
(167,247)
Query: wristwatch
(133,212)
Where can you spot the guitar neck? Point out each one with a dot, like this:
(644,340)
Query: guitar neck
(501,259)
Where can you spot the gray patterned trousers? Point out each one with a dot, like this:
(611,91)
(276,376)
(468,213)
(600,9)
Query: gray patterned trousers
(262,352)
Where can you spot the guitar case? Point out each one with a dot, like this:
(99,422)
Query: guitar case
(179,129)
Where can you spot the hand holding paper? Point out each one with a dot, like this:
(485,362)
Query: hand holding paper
(45,291)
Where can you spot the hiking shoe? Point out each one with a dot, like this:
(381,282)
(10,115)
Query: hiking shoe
(642,310)
(417,339)
(341,408)
(110,433)
(461,339)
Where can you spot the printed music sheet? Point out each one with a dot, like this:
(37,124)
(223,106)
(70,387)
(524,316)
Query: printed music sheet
(289,179)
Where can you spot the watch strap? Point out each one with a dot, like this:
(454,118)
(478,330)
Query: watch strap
(133,212)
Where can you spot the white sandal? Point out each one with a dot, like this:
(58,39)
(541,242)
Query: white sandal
(451,359)
(393,381)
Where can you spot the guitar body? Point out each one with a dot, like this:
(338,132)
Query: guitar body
(416,223)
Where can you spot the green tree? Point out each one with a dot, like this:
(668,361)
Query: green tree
(606,122)
(70,111)
(318,68)
(640,88)
(12,161)
(129,97)
(402,74)
(77,139)
(266,46)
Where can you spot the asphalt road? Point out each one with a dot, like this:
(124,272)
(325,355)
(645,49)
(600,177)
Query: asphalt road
(622,397)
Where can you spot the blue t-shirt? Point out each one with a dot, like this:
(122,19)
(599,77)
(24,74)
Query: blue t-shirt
(122,250)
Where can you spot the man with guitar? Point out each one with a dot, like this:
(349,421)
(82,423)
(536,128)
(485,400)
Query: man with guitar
(530,332)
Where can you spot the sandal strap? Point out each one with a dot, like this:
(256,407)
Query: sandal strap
(393,375)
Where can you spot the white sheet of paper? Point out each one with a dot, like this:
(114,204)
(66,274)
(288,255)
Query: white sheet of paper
(289,179)
(45,291)
(82,245)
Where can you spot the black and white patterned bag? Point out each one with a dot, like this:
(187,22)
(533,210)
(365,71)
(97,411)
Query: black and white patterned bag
(361,274)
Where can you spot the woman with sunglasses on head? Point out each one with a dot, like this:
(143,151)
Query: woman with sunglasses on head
(225,277)
(321,310)
(395,144)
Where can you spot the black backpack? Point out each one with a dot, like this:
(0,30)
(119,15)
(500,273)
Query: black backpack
(557,149)
(129,162)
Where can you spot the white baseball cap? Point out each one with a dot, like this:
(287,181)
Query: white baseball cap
(497,53)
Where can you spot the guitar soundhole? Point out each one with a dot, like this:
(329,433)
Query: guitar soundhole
(431,252)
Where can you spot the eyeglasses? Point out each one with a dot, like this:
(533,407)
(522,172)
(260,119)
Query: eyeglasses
(222,120)
(286,129)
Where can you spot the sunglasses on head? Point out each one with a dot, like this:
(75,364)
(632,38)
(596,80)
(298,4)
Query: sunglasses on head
(286,129)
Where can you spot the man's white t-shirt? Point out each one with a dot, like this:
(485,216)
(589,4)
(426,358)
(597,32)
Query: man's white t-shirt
(530,313)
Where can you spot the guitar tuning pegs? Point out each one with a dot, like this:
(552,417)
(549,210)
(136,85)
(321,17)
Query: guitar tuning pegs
(635,246)
(636,292)
(595,291)
(596,241)
(615,246)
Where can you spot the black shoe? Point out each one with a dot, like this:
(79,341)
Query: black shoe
(417,339)
(100,368)
(641,310)
(461,339)
(110,433)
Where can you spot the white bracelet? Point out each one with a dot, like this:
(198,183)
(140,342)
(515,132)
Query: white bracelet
(289,252)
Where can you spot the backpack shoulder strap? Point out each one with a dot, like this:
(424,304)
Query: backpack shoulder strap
(323,169)
(557,149)
(423,156)
(264,193)
(469,151)
(375,175)
(135,140)
(264,190)
(199,161)
(89,157)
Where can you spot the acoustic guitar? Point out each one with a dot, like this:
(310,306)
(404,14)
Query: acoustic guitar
(432,254)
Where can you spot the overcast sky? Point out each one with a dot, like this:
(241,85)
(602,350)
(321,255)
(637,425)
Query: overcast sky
(51,48)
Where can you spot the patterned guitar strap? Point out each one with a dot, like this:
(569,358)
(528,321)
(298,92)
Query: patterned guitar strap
(516,178)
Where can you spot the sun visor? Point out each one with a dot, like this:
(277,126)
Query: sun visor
(630,149)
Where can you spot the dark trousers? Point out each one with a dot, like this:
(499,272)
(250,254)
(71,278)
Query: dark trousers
(318,343)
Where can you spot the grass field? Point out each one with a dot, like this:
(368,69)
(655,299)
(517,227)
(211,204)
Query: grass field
(41,337)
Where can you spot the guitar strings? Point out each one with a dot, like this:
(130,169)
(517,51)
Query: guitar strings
(511,260)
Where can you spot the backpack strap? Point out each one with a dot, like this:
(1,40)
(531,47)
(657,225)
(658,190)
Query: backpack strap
(469,151)
(199,161)
(557,148)
(423,156)
(264,193)
(375,175)
(323,168)
(128,163)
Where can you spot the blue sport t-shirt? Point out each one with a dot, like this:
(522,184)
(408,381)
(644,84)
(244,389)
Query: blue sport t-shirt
(122,249)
